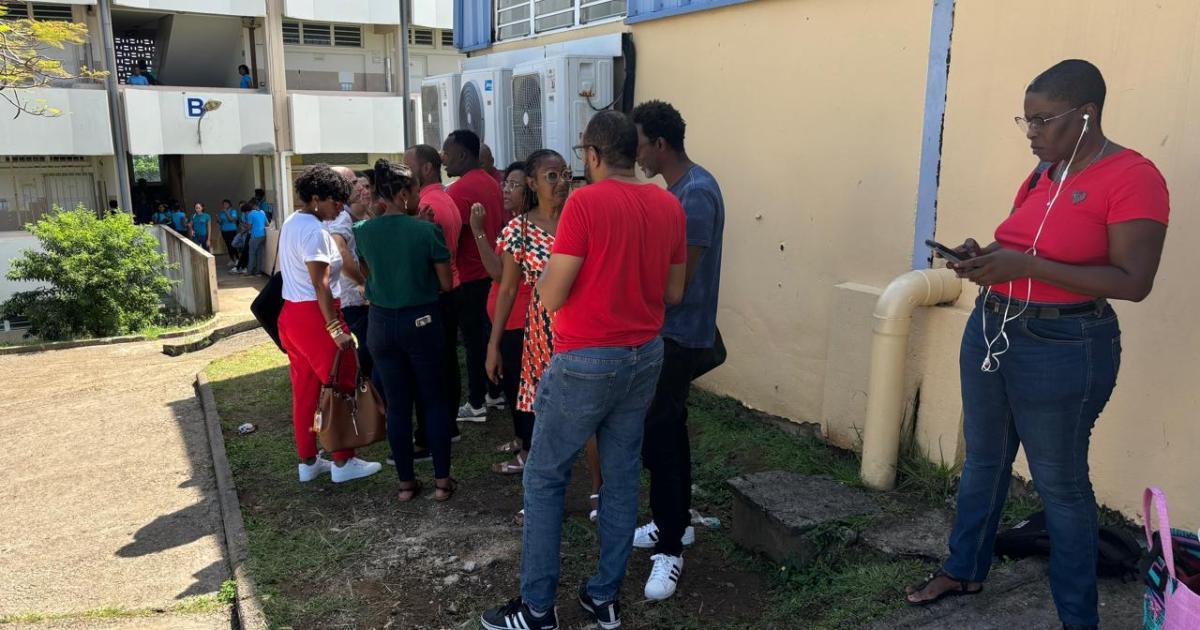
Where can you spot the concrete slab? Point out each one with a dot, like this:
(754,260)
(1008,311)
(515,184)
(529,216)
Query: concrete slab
(922,535)
(1017,597)
(790,517)
(153,622)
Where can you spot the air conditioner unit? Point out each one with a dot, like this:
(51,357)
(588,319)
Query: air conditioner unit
(483,106)
(439,107)
(553,100)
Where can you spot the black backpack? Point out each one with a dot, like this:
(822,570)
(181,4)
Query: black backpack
(1120,554)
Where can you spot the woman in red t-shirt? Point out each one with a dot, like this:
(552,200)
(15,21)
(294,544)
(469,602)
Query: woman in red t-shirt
(1042,348)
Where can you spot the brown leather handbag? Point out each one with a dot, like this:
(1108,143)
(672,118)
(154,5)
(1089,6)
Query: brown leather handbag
(349,419)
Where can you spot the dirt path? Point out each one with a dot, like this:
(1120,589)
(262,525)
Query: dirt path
(108,490)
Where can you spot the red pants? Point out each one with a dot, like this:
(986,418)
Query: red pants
(311,352)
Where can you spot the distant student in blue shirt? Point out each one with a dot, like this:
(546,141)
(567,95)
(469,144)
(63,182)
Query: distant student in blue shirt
(247,81)
(227,218)
(257,220)
(200,231)
(179,220)
(136,77)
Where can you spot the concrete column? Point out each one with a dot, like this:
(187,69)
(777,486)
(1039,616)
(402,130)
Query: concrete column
(115,113)
(277,84)
(405,20)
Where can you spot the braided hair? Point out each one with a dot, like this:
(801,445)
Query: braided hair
(390,179)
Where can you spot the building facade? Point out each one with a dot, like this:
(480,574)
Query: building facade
(845,134)
(326,84)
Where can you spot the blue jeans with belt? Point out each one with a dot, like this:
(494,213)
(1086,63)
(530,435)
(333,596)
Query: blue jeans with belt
(407,346)
(592,391)
(1051,385)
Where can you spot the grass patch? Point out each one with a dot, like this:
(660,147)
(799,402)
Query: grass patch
(200,604)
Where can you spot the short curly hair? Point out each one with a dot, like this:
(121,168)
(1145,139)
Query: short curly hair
(661,120)
(322,182)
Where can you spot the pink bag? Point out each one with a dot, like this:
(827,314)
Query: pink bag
(1170,603)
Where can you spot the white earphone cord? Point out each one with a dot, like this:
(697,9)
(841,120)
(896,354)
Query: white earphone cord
(991,360)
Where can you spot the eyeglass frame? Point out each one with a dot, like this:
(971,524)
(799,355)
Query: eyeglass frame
(580,150)
(1025,124)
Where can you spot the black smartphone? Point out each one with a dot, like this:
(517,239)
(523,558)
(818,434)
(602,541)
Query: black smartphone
(945,252)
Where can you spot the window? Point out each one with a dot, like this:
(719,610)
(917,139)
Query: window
(37,11)
(420,37)
(322,34)
(147,167)
(447,38)
(521,18)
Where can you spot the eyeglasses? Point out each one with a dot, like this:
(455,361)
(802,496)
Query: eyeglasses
(581,150)
(553,177)
(1037,122)
(510,186)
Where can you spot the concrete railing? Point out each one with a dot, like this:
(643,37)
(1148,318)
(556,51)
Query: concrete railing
(193,274)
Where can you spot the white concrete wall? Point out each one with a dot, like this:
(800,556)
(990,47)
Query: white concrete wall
(81,129)
(11,246)
(201,50)
(158,122)
(332,123)
(256,8)
(433,13)
(208,179)
(345,11)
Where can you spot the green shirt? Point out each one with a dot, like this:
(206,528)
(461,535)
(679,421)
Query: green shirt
(400,252)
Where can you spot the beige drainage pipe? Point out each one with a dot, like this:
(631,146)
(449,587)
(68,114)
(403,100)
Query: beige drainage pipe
(889,351)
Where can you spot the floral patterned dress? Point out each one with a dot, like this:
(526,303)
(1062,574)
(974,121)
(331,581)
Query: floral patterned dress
(530,247)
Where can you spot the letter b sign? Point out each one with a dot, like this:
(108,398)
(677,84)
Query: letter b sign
(194,106)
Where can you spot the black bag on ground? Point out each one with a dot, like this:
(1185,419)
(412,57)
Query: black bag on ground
(267,307)
(1119,552)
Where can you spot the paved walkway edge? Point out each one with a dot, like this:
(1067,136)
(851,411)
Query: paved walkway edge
(174,350)
(250,615)
(104,341)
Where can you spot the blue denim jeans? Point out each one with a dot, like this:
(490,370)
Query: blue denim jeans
(1051,386)
(593,391)
(256,248)
(407,346)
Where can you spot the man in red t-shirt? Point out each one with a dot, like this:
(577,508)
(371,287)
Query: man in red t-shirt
(488,163)
(460,153)
(426,164)
(619,258)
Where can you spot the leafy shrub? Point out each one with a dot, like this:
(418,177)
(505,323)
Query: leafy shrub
(106,276)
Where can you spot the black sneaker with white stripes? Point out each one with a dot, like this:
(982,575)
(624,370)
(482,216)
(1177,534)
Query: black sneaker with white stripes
(607,614)
(515,615)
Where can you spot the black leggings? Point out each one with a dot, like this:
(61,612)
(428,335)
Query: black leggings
(227,236)
(512,344)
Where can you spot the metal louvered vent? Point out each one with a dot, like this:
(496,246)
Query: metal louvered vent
(527,115)
(470,109)
(431,109)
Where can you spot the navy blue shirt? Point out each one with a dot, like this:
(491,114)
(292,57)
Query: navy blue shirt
(693,322)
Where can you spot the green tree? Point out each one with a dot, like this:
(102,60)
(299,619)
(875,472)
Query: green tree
(106,277)
(24,65)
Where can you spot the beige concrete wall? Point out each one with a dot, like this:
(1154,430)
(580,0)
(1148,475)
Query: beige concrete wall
(810,116)
(194,278)
(1149,433)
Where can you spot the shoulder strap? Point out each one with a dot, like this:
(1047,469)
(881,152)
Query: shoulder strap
(1155,494)
(1042,167)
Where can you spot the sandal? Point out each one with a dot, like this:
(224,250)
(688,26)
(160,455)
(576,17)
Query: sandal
(412,491)
(963,589)
(510,447)
(514,467)
(441,493)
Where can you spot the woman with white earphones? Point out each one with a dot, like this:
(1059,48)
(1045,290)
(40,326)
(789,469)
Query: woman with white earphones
(1042,349)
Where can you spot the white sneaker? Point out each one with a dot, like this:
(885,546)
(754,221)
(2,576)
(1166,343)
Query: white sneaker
(354,468)
(498,402)
(467,413)
(664,577)
(646,536)
(308,472)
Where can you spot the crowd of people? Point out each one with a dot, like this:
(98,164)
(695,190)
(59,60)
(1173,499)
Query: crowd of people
(243,228)
(570,302)
(589,310)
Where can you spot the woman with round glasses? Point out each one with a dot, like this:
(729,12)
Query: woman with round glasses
(1042,348)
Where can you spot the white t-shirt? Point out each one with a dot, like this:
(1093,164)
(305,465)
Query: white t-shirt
(303,239)
(343,226)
